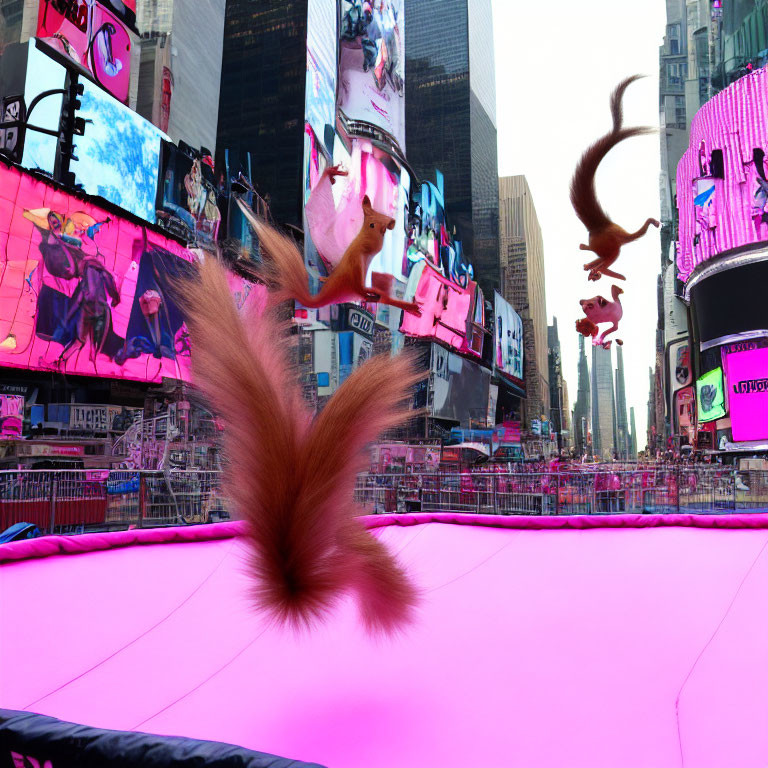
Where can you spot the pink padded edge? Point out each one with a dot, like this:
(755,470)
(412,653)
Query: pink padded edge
(46,546)
(538,522)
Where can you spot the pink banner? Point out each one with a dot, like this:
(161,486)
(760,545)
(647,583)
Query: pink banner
(746,375)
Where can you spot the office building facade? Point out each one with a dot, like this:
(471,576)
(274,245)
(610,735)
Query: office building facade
(521,260)
(180,68)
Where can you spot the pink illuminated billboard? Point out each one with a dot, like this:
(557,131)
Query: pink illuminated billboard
(83,291)
(722,179)
(448,311)
(746,375)
(90,34)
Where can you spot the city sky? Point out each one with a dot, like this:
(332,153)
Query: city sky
(556,64)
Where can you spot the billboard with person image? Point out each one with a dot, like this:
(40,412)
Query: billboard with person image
(508,339)
(371,82)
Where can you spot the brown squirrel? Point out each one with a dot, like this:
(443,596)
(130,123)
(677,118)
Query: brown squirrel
(605,237)
(291,474)
(287,273)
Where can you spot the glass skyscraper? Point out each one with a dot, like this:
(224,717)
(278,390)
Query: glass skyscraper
(450,108)
(603,408)
(261,102)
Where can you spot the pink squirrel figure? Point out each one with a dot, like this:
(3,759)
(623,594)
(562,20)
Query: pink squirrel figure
(600,310)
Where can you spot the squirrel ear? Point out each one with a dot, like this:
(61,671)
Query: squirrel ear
(366,202)
(391,224)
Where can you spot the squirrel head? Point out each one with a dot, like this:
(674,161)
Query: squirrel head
(375,226)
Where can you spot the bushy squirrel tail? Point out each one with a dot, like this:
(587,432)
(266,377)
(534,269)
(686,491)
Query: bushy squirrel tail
(583,195)
(292,477)
(282,266)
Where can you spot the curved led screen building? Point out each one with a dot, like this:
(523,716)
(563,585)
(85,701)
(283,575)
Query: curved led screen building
(722,259)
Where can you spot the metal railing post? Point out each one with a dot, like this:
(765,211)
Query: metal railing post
(557,493)
(142,498)
(52,501)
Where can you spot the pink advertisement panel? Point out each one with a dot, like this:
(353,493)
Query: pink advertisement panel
(11,415)
(746,375)
(722,179)
(83,291)
(89,34)
(446,308)
(333,207)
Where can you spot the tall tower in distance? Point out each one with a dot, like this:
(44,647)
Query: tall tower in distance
(633,434)
(521,256)
(556,400)
(602,403)
(582,409)
(450,119)
(622,425)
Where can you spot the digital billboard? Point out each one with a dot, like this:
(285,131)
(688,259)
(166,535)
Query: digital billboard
(460,388)
(90,34)
(710,396)
(83,291)
(429,238)
(680,373)
(11,415)
(448,311)
(186,196)
(42,74)
(333,210)
(371,82)
(746,374)
(118,158)
(722,178)
(508,339)
(320,89)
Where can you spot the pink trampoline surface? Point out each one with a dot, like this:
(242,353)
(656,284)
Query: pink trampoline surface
(610,646)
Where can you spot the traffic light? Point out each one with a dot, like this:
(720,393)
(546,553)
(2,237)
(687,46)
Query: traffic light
(70,125)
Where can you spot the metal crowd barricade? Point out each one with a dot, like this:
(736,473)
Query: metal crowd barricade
(66,501)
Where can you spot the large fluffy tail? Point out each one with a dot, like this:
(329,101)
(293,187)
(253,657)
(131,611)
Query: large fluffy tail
(283,265)
(583,195)
(292,479)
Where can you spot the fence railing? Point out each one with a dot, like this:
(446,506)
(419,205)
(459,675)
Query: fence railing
(75,500)
(66,501)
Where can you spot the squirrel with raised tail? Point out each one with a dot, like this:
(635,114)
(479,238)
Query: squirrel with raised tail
(285,268)
(605,237)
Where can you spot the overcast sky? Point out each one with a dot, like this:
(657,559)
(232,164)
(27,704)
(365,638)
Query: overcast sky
(556,64)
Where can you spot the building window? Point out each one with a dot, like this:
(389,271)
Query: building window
(680,111)
(673,39)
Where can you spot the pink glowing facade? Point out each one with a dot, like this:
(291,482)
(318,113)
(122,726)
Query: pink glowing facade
(746,374)
(722,191)
(449,313)
(84,291)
